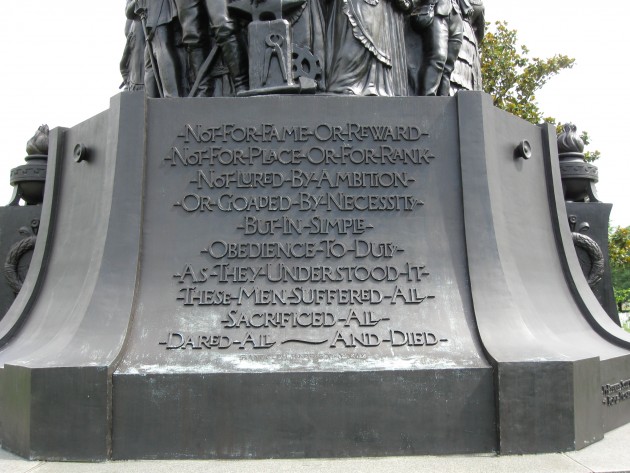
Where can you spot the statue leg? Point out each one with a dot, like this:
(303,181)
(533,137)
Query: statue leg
(436,49)
(166,60)
(455,40)
(232,46)
(196,58)
(192,18)
(150,85)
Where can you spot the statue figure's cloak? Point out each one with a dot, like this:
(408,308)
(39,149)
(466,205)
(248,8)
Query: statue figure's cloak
(366,49)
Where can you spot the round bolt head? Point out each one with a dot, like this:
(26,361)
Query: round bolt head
(80,153)
(524,150)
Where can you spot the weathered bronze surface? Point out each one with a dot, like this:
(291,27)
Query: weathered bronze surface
(348,47)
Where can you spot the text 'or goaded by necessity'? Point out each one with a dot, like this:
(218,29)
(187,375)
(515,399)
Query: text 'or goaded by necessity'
(300,255)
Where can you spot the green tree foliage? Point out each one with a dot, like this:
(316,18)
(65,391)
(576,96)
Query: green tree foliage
(511,76)
(590,156)
(622,296)
(621,284)
(619,251)
(619,248)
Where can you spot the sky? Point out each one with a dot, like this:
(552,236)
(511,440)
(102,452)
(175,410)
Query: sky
(60,66)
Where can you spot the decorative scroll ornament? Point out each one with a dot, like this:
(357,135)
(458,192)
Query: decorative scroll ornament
(595,254)
(16,253)
(591,248)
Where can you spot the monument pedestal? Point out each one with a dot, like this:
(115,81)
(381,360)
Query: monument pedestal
(306,277)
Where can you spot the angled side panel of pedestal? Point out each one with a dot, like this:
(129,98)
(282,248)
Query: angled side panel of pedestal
(530,318)
(68,325)
(614,391)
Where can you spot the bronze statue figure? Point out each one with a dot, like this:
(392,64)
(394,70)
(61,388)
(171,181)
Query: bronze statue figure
(365,51)
(162,62)
(441,23)
(308,26)
(166,24)
(351,47)
(192,18)
(132,62)
(467,72)
(230,42)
